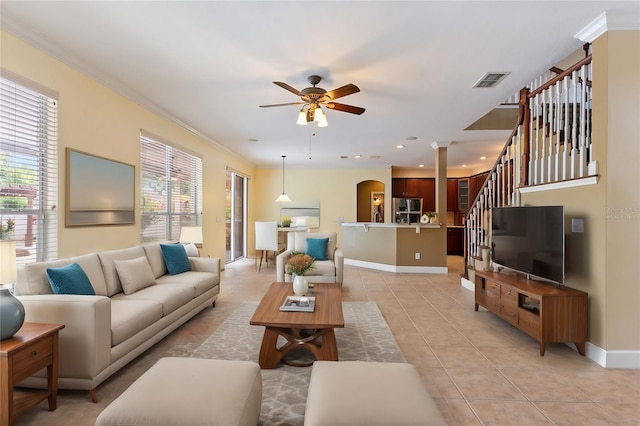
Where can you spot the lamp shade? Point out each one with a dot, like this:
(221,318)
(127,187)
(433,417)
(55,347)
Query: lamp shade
(8,268)
(191,234)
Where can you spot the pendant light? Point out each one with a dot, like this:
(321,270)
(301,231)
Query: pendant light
(283,198)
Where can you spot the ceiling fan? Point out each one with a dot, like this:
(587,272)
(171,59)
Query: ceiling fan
(311,98)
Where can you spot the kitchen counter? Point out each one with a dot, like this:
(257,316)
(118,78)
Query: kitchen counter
(396,247)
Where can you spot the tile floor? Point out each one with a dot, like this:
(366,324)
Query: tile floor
(479,369)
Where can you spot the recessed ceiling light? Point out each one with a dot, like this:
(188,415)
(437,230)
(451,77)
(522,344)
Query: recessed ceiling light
(344,157)
(357,156)
(375,157)
(421,165)
(483,158)
(464,165)
(399,146)
(252,140)
(411,138)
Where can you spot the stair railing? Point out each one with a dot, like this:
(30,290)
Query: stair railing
(551,142)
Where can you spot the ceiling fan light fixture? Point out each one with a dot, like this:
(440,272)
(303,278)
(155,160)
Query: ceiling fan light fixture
(323,121)
(302,117)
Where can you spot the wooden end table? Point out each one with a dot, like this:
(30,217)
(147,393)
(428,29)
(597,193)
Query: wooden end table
(294,325)
(32,348)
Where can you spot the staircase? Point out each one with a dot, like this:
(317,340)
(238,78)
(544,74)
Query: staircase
(550,144)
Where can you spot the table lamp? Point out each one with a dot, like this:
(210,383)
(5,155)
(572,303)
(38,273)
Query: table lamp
(191,234)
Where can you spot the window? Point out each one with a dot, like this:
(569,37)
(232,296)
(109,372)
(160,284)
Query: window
(171,190)
(28,167)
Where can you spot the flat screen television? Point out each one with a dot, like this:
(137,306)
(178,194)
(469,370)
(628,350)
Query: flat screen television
(530,240)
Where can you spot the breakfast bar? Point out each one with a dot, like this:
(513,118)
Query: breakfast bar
(393,247)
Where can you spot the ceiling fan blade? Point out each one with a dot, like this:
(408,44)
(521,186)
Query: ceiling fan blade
(279,105)
(345,108)
(285,86)
(349,89)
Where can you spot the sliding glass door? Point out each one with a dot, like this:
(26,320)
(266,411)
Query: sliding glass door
(236,208)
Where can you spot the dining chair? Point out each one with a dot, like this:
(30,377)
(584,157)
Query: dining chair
(266,241)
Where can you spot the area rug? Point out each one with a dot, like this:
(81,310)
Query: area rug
(365,337)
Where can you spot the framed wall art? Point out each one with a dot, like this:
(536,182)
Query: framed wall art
(99,191)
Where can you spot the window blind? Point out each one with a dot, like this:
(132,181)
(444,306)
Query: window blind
(28,170)
(171,190)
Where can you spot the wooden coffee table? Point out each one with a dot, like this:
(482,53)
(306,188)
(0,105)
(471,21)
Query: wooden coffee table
(313,331)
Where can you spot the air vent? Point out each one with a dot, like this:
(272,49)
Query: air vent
(375,157)
(491,79)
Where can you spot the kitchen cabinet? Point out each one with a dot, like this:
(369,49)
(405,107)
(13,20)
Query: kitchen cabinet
(463,195)
(452,195)
(405,187)
(455,241)
(428,194)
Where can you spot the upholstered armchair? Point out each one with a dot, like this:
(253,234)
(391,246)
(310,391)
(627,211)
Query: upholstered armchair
(324,271)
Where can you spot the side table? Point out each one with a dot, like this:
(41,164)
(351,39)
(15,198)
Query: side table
(32,348)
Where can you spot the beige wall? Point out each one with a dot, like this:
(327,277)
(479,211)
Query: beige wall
(335,189)
(94,119)
(604,260)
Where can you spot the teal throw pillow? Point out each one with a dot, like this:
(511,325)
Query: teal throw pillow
(175,257)
(70,279)
(317,248)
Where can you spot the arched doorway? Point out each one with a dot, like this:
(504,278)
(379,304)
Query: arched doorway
(370,202)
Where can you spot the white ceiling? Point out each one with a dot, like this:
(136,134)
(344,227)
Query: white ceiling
(209,64)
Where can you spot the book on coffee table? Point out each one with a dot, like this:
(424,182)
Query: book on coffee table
(299,304)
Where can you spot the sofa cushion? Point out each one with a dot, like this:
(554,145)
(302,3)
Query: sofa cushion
(300,241)
(131,316)
(324,267)
(134,274)
(171,297)
(201,282)
(175,257)
(154,256)
(317,248)
(35,281)
(70,279)
(109,268)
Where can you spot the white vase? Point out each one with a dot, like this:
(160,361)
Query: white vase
(300,285)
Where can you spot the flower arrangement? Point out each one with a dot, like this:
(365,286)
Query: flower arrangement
(6,231)
(300,264)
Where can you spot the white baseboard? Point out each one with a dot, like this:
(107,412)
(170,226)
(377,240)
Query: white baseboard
(613,358)
(467,284)
(396,268)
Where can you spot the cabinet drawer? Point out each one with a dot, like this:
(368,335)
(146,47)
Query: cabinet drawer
(32,358)
(509,296)
(529,322)
(492,302)
(509,313)
(492,287)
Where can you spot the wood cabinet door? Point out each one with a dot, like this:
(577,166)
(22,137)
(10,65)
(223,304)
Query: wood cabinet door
(412,188)
(452,194)
(428,194)
(397,188)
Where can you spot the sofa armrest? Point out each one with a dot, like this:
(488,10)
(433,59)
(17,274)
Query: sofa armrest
(85,341)
(338,258)
(205,264)
(281,261)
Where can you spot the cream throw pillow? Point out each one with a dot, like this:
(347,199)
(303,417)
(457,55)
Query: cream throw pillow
(134,274)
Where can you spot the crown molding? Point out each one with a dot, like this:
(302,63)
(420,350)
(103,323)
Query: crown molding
(609,21)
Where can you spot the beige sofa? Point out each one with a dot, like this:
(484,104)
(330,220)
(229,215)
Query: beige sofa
(105,332)
(324,271)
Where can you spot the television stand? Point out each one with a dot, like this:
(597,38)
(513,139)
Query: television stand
(544,312)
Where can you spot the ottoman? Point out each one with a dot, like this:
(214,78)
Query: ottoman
(190,391)
(368,393)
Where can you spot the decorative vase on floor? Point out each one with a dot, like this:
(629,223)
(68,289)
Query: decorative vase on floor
(11,314)
(300,285)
